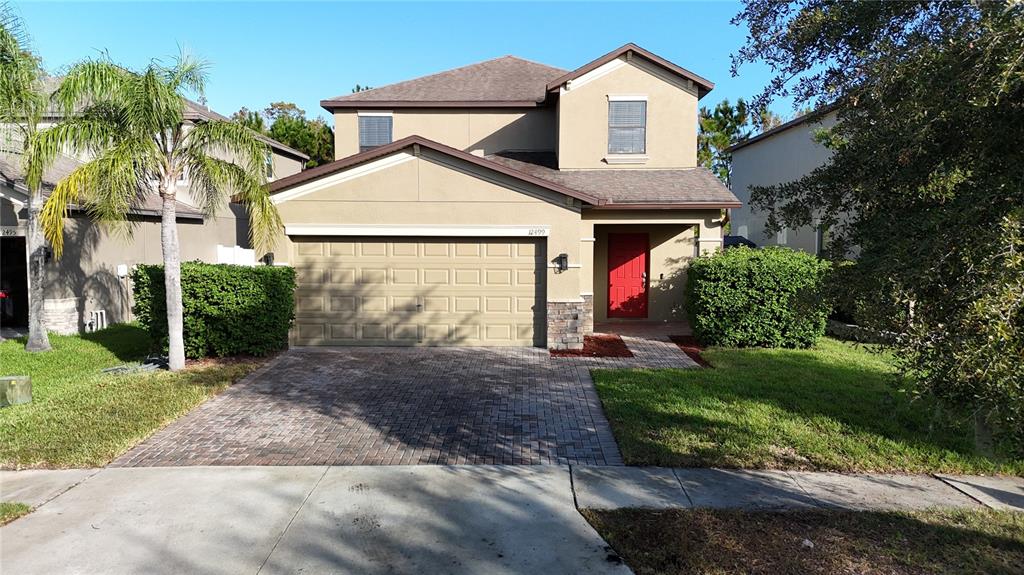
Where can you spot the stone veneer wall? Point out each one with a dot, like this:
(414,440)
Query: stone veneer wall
(61,315)
(569,321)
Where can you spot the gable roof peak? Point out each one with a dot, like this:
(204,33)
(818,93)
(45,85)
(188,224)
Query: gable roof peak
(703,85)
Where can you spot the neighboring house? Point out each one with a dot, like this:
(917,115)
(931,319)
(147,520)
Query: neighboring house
(503,203)
(782,154)
(88,287)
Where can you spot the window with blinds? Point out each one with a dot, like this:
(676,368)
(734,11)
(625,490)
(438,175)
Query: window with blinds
(627,127)
(374,131)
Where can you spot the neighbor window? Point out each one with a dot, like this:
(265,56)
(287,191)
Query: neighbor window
(374,131)
(268,165)
(627,127)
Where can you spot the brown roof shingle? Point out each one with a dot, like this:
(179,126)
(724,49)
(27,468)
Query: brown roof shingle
(505,81)
(692,187)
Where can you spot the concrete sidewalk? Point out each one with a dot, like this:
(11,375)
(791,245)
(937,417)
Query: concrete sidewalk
(402,519)
(662,488)
(395,519)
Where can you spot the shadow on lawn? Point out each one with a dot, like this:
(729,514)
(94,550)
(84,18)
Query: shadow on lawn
(127,341)
(733,415)
(704,541)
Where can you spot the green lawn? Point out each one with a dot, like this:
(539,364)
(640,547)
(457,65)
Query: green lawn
(870,543)
(80,417)
(828,408)
(11,510)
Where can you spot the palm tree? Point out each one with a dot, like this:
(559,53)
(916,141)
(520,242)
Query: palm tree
(22,103)
(131,125)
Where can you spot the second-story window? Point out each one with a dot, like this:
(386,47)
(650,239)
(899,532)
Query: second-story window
(627,127)
(374,130)
(268,164)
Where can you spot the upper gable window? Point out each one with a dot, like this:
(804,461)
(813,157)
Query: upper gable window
(627,125)
(374,130)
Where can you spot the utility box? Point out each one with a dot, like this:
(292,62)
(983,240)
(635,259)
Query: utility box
(15,389)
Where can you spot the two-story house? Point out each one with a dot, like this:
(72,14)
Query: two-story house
(503,203)
(89,286)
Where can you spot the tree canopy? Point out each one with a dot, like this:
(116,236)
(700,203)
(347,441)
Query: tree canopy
(925,182)
(287,123)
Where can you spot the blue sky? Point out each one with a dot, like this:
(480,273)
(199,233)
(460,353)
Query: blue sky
(265,52)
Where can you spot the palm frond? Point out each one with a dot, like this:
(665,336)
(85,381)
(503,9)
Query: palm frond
(22,99)
(82,134)
(107,187)
(188,73)
(231,141)
(90,82)
(214,180)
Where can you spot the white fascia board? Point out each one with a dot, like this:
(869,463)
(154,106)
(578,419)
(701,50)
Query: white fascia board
(594,74)
(14,195)
(416,230)
(343,176)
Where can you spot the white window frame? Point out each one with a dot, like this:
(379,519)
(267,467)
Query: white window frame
(630,158)
(374,114)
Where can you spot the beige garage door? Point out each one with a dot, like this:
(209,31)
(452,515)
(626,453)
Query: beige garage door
(419,291)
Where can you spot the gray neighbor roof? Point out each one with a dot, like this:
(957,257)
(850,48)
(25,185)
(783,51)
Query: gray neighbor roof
(502,81)
(627,188)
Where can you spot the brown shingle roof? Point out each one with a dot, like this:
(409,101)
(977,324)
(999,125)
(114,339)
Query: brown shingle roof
(409,141)
(693,187)
(611,188)
(501,82)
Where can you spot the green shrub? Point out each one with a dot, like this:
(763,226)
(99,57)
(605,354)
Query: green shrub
(229,310)
(770,297)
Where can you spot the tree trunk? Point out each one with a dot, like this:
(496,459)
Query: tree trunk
(172,282)
(984,444)
(36,245)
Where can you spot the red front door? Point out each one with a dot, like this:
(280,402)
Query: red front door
(627,275)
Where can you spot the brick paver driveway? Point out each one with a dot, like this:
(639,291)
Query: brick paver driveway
(381,406)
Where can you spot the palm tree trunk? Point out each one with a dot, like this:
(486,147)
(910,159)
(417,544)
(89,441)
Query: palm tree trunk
(172,282)
(37,338)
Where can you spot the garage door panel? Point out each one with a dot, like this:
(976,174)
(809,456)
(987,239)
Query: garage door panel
(460,291)
(343,276)
(405,276)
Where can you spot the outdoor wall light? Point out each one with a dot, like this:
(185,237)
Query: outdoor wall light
(562,262)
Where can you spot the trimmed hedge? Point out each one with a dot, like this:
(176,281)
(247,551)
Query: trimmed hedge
(770,297)
(229,310)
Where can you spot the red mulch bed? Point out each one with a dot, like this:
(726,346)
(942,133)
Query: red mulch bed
(690,347)
(597,346)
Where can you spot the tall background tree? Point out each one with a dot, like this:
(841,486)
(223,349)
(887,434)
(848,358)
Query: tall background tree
(22,103)
(287,123)
(718,129)
(725,125)
(130,125)
(926,178)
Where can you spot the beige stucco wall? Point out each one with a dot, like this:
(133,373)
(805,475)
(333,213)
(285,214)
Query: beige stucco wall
(87,271)
(671,118)
(478,130)
(673,243)
(783,157)
(435,190)
(286,165)
(672,246)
